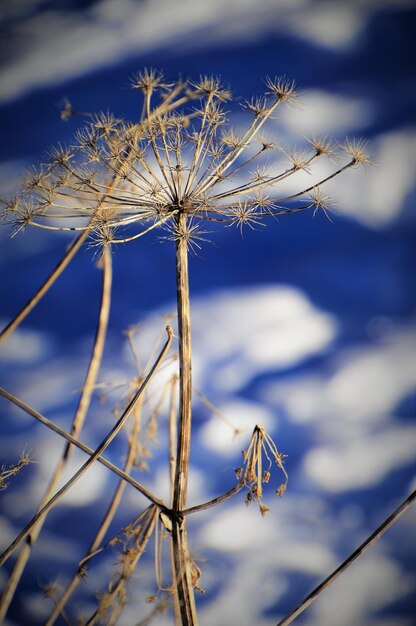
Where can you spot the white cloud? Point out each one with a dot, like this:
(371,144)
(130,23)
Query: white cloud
(326,113)
(361,463)
(256,534)
(218,434)
(25,346)
(351,412)
(239,334)
(373,196)
(259,553)
(222,533)
(377,196)
(55,46)
(332,25)
(366,385)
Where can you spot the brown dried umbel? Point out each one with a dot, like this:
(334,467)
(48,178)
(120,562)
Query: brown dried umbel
(183,159)
(253,474)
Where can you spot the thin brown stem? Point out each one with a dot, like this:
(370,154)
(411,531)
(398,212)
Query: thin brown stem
(172,471)
(66,259)
(185,367)
(97,452)
(207,505)
(107,519)
(149,521)
(172,438)
(391,519)
(182,577)
(44,420)
(78,421)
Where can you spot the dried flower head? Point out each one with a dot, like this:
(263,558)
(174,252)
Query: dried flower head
(260,450)
(7,472)
(120,180)
(357,150)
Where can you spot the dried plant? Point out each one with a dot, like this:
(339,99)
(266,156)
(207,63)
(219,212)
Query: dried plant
(180,168)
(6,473)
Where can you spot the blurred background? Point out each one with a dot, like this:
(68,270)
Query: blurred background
(306,326)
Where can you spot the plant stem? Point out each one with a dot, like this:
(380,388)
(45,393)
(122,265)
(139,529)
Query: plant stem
(96,454)
(185,369)
(207,505)
(66,259)
(182,578)
(391,519)
(126,477)
(105,524)
(78,421)
(172,471)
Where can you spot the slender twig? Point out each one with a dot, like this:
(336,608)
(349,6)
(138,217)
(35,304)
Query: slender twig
(44,420)
(172,438)
(149,517)
(66,259)
(78,421)
(105,523)
(207,505)
(172,471)
(98,451)
(391,519)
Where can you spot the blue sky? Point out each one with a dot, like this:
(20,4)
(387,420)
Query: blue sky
(306,326)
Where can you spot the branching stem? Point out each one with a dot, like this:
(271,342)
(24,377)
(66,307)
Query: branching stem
(97,452)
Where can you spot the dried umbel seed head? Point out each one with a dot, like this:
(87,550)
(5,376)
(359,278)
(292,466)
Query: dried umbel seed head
(261,450)
(119,180)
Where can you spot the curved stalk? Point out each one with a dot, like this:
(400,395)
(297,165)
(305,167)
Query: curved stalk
(78,421)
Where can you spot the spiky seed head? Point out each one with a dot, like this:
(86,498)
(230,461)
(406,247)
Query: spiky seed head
(258,105)
(357,149)
(323,146)
(299,159)
(148,80)
(211,87)
(244,214)
(60,156)
(282,89)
